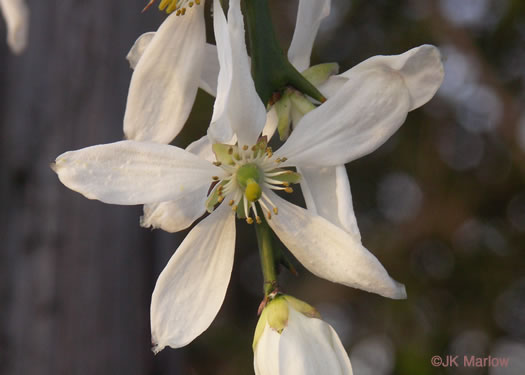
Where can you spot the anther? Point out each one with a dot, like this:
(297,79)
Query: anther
(190,4)
(275,210)
(245,147)
(230,203)
(286,184)
(198,2)
(220,199)
(288,190)
(284,159)
(249,220)
(278,160)
(216,178)
(234,208)
(217,163)
(258,220)
(183,11)
(269,215)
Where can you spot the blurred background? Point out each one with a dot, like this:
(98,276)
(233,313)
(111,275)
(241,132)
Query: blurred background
(441,204)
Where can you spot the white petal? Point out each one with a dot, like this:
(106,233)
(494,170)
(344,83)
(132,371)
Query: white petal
(327,194)
(173,216)
(332,85)
(421,69)
(130,172)
(138,48)
(210,70)
(266,356)
(165,81)
(202,148)
(16,16)
(309,346)
(309,17)
(190,290)
(272,120)
(367,110)
(237,108)
(329,252)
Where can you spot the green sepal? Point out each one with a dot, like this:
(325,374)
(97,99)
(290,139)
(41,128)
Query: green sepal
(259,328)
(283,109)
(302,307)
(224,153)
(301,103)
(277,313)
(289,176)
(318,74)
(213,199)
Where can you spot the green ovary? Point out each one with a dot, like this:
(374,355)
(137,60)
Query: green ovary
(248,177)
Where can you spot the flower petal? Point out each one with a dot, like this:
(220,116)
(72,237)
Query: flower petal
(210,70)
(329,252)
(16,16)
(421,69)
(309,17)
(130,172)
(238,109)
(272,120)
(327,194)
(266,355)
(173,216)
(138,48)
(368,109)
(165,81)
(191,288)
(309,346)
(202,148)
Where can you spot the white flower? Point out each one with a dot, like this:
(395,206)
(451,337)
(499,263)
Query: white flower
(174,62)
(327,190)
(291,339)
(16,16)
(190,290)
(169,66)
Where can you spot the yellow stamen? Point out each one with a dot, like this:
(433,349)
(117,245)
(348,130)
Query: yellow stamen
(258,220)
(275,210)
(231,202)
(245,147)
(215,178)
(288,190)
(249,220)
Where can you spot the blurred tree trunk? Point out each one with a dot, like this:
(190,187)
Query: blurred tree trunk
(75,275)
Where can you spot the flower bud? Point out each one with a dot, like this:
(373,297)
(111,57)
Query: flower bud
(291,339)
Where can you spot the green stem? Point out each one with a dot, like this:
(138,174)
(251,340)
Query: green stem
(267,256)
(272,71)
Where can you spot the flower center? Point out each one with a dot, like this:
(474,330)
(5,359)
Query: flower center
(170,6)
(250,173)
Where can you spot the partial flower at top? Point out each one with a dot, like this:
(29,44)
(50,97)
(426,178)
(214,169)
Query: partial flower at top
(169,67)
(243,179)
(16,15)
(420,70)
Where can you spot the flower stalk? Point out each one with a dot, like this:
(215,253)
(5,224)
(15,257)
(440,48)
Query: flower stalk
(271,70)
(267,256)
